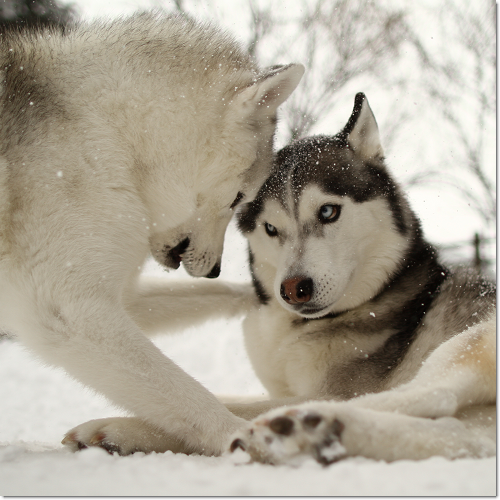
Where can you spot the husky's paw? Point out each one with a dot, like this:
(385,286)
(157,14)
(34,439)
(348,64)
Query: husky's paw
(121,435)
(291,434)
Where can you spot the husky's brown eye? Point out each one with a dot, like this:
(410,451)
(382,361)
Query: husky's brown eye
(270,229)
(329,213)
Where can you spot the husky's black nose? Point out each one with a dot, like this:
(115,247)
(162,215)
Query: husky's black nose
(297,290)
(214,273)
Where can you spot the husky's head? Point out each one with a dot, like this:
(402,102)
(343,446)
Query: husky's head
(237,159)
(329,226)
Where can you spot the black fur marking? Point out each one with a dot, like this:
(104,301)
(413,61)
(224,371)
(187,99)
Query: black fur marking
(351,123)
(391,193)
(238,198)
(328,163)
(263,297)
(247,216)
(409,317)
(273,188)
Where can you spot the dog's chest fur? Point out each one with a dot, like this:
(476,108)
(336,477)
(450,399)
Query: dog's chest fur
(296,357)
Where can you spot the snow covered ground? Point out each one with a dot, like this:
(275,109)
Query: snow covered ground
(39,404)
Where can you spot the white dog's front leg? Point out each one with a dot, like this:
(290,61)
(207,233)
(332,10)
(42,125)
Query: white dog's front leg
(101,347)
(161,306)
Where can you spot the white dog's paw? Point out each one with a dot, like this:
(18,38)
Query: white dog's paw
(121,435)
(291,434)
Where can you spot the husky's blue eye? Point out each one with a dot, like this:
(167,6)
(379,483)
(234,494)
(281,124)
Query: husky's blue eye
(270,229)
(329,213)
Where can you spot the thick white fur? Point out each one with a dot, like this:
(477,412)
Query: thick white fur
(143,150)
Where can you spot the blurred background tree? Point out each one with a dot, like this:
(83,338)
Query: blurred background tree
(469,84)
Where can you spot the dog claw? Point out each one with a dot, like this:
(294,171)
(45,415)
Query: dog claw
(97,439)
(69,439)
(111,448)
(72,442)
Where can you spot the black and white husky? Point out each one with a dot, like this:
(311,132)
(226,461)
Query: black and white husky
(355,306)
(366,343)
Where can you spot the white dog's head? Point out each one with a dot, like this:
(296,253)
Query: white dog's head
(237,158)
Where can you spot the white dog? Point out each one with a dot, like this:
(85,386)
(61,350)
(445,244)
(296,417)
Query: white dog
(118,140)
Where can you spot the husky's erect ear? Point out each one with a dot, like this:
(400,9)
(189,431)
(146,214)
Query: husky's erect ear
(361,131)
(270,89)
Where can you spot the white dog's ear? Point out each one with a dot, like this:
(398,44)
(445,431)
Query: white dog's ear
(270,89)
(361,131)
